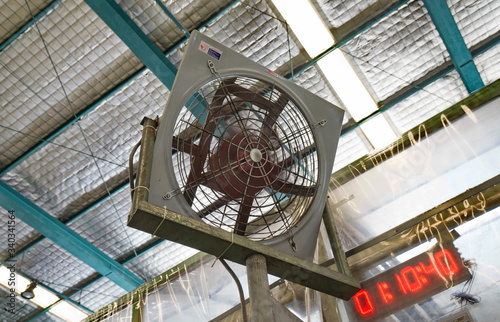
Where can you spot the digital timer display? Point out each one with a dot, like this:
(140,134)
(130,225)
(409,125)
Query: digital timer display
(410,282)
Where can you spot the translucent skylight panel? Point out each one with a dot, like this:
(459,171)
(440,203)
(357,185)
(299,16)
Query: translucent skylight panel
(68,311)
(476,20)
(427,102)
(65,269)
(105,226)
(398,50)
(313,80)
(488,65)
(352,146)
(22,309)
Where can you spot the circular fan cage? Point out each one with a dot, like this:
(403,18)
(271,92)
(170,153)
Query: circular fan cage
(245,157)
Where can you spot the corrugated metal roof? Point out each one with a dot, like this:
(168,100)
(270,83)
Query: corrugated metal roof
(72,96)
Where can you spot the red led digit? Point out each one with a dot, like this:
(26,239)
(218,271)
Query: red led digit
(411,279)
(446,263)
(427,269)
(386,296)
(400,284)
(363,302)
(422,278)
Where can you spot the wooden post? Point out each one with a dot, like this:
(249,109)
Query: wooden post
(258,288)
(264,307)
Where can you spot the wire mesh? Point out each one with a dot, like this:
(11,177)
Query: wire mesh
(476,20)
(428,102)
(14,15)
(253,151)
(398,50)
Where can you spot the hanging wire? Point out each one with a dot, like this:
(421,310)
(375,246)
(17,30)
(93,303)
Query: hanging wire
(131,168)
(31,136)
(464,296)
(86,142)
(420,88)
(252,8)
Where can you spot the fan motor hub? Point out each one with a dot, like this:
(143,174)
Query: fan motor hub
(255,155)
(242,166)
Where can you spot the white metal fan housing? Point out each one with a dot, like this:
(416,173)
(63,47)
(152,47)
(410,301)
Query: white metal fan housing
(243,149)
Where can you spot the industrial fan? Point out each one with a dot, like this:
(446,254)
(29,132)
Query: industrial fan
(242,149)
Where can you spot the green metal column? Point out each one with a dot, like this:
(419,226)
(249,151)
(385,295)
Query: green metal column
(460,55)
(125,28)
(76,245)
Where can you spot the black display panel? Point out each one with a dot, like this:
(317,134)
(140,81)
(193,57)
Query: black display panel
(410,282)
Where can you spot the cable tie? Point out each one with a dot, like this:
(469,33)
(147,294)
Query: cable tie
(143,187)
(146,126)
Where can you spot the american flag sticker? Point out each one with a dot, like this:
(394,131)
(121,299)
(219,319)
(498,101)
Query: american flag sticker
(210,51)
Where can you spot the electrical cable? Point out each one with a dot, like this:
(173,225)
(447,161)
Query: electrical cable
(464,296)
(240,289)
(131,168)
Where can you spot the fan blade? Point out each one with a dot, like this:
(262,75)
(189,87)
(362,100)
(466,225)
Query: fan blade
(214,206)
(251,97)
(292,159)
(288,188)
(199,159)
(243,215)
(197,163)
(217,107)
(186,146)
(272,117)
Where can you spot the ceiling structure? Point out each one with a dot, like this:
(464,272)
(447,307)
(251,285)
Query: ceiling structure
(77,77)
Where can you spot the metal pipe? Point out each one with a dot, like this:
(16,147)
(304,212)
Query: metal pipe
(333,237)
(141,190)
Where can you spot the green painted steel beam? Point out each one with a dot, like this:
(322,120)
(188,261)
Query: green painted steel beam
(450,34)
(59,233)
(89,207)
(98,102)
(41,283)
(125,28)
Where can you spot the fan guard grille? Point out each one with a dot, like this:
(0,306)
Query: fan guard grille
(245,157)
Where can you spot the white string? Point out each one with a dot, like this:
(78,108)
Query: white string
(162,220)
(218,257)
